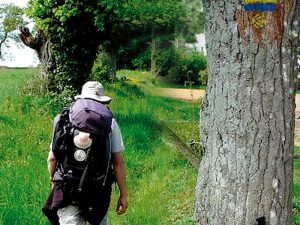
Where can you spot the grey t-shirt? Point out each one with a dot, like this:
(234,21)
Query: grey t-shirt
(117,144)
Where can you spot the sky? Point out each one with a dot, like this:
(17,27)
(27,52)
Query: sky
(14,55)
(21,3)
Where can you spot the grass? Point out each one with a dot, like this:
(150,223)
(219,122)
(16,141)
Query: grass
(144,77)
(11,79)
(160,182)
(296,188)
(159,176)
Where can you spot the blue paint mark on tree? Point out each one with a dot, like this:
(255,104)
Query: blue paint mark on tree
(261,7)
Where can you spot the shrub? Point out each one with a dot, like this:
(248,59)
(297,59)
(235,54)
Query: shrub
(203,77)
(103,68)
(59,101)
(142,62)
(35,86)
(186,66)
(192,64)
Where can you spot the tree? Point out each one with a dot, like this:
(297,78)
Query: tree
(11,17)
(76,28)
(248,113)
(194,20)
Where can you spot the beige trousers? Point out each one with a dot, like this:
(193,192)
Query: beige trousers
(70,215)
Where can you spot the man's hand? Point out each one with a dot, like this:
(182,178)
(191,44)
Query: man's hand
(120,174)
(122,205)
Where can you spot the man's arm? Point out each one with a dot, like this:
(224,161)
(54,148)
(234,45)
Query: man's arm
(51,162)
(120,174)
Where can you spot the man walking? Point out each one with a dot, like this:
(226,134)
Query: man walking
(82,176)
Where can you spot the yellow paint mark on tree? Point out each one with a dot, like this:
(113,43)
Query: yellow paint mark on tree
(259,20)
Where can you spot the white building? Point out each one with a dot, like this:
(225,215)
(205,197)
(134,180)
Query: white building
(198,46)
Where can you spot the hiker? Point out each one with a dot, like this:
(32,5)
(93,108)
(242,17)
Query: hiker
(84,160)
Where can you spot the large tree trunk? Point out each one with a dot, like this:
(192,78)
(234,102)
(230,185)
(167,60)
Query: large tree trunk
(41,44)
(247,118)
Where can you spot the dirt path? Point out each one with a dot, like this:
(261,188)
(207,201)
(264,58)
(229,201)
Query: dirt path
(194,95)
(182,94)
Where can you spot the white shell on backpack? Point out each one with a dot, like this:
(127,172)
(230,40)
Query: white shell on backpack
(80,155)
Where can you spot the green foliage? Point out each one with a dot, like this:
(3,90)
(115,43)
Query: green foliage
(186,66)
(164,55)
(122,28)
(11,17)
(74,38)
(142,61)
(155,15)
(163,21)
(203,77)
(102,68)
(194,19)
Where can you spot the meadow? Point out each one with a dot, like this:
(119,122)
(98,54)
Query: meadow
(160,181)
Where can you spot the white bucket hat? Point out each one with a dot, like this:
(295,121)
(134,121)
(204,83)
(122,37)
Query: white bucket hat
(82,140)
(93,90)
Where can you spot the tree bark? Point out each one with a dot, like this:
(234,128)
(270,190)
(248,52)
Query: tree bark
(153,68)
(248,115)
(41,44)
(113,66)
(2,42)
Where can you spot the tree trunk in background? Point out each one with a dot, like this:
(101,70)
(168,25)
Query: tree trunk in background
(153,54)
(113,66)
(176,42)
(248,114)
(41,44)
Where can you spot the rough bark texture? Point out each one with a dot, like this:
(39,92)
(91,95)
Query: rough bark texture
(247,118)
(41,44)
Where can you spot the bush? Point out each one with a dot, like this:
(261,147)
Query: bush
(102,69)
(203,77)
(35,86)
(187,66)
(142,62)
(166,60)
(59,101)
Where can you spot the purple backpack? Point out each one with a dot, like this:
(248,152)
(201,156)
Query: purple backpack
(90,116)
(84,115)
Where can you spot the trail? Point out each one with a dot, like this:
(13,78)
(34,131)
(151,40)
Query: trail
(196,94)
(170,138)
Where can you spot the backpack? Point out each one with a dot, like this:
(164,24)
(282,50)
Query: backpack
(87,179)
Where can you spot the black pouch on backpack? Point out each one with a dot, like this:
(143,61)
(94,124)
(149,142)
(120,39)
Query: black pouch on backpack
(61,136)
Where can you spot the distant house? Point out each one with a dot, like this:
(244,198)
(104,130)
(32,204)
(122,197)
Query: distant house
(198,46)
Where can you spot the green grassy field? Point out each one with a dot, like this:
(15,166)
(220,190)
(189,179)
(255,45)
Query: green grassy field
(160,181)
(296,188)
